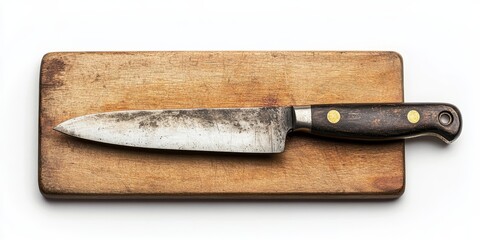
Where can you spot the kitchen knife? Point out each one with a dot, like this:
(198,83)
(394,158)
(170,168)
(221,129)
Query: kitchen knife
(264,129)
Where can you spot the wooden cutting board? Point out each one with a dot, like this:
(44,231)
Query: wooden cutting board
(79,83)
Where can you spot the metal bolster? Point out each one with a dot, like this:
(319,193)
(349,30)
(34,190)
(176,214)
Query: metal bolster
(302,118)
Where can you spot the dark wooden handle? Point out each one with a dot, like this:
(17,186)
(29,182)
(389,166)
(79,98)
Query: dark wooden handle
(386,121)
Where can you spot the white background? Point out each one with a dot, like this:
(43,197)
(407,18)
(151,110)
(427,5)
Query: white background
(439,41)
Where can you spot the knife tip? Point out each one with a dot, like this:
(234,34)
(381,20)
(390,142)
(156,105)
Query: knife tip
(59,128)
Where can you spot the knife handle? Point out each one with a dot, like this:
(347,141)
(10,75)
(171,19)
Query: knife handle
(386,121)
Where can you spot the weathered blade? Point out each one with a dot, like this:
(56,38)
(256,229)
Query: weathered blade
(249,130)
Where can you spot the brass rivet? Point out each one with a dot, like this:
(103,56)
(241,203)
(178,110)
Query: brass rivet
(413,116)
(333,116)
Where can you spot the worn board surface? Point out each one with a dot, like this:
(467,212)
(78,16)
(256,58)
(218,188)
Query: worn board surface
(74,84)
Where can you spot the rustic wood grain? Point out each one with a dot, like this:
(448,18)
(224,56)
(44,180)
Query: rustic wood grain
(74,84)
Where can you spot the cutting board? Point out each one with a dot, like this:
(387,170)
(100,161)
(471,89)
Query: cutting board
(78,83)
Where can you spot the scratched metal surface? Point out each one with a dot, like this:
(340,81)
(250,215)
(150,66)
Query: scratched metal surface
(249,130)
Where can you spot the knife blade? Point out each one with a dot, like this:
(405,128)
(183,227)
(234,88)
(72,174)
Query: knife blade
(264,129)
